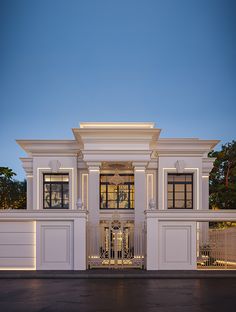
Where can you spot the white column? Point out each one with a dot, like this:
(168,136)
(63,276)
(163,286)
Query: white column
(80,240)
(205,191)
(93,193)
(204,226)
(27,164)
(152,240)
(140,192)
(29,192)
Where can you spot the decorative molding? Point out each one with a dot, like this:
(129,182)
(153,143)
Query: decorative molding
(55,165)
(27,164)
(180,165)
(207,165)
(152,204)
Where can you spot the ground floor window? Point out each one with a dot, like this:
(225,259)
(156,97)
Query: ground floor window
(180,191)
(117,196)
(56,191)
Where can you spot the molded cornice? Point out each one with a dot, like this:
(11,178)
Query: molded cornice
(49,147)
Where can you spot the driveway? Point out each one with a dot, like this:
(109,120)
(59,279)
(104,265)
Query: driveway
(144,295)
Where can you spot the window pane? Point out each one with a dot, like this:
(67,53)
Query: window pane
(179,204)
(65,193)
(112,188)
(189,204)
(170,203)
(103,188)
(189,195)
(179,178)
(179,196)
(124,204)
(66,204)
(112,196)
(189,178)
(179,187)
(47,203)
(170,178)
(170,196)
(170,187)
(56,187)
(112,204)
(189,187)
(122,195)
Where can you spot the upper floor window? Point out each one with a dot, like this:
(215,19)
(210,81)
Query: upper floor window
(56,190)
(117,196)
(180,191)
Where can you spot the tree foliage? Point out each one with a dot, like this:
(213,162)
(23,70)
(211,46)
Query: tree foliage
(12,192)
(223,178)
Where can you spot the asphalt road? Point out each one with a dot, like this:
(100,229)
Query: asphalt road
(146,295)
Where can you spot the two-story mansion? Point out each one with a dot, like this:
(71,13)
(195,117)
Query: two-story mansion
(115,195)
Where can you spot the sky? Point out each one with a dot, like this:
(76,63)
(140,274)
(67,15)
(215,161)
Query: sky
(172,62)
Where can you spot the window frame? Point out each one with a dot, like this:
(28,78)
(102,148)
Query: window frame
(117,200)
(57,183)
(185,183)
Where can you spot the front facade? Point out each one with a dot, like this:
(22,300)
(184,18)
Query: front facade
(113,197)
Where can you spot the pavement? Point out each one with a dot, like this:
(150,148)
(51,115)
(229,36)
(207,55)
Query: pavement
(117,294)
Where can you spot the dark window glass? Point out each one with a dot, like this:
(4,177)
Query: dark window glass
(56,191)
(180,191)
(117,197)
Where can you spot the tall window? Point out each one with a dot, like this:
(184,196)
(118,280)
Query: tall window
(180,191)
(56,191)
(117,197)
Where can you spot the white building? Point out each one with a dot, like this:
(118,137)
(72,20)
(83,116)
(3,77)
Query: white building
(115,196)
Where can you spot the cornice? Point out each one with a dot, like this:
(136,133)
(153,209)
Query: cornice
(181,147)
(116,136)
(49,147)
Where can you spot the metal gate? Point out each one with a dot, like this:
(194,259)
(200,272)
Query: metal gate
(116,244)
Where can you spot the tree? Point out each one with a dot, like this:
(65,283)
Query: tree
(12,192)
(223,178)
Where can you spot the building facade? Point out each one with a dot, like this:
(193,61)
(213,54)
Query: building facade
(117,195)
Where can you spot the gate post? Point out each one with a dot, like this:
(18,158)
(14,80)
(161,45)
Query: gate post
(151,240)
(80,240)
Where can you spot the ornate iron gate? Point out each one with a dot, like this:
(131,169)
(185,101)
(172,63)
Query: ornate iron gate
(116,244)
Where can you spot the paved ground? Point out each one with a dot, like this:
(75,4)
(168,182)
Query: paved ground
(161,295)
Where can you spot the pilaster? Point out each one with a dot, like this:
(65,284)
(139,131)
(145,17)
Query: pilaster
(27,164)
(93,192)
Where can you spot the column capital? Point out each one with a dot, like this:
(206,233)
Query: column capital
(139,166)
(27,164)
(207,165)
(93,166)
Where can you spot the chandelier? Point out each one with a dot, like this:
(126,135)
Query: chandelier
(116,179)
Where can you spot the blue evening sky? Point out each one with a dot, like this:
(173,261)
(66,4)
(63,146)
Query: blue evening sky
(168,61)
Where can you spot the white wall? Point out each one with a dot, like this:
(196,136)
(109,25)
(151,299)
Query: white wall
(54,245)
(17,245)
(177,245)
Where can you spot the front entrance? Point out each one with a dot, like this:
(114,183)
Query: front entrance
(115,244)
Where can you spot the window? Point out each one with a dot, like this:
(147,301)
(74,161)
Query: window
(117,196)
(180,191)
(56,191)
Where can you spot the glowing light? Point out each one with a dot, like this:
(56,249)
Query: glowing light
(117,125)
